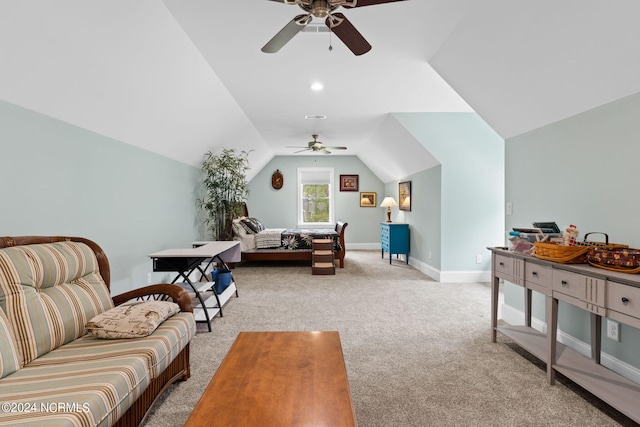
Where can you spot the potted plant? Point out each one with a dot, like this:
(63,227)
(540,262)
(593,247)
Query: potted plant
(225,189)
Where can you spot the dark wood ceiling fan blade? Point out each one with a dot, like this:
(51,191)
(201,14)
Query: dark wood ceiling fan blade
(361,3)
(285,34)
(336,148)
(350,36)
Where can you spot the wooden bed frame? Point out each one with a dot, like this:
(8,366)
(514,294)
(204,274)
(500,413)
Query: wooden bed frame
(294,255)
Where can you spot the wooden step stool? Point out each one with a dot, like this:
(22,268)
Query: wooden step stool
(322,257)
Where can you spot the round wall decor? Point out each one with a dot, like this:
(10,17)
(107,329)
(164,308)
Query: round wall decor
(277,179)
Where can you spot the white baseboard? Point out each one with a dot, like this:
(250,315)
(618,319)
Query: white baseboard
(430,271)
(434,273)
(362,246)
(513,316)
(465,276)
(450,276)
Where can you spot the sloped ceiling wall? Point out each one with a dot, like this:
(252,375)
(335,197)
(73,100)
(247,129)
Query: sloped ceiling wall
(522,65)
(394,153)
(123,69)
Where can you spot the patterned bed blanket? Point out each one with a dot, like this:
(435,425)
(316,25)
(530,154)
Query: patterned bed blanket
(294,239)
(297,239)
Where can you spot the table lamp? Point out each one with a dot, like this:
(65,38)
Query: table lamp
(387,203)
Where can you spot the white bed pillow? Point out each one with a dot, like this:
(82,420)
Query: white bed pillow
(247,242)
(238,228)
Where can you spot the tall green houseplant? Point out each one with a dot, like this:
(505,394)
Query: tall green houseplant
(226,187)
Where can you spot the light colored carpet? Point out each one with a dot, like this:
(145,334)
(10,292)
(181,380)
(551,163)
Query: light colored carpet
(418,352)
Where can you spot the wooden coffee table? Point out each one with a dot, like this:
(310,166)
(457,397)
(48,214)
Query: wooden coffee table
(279,379)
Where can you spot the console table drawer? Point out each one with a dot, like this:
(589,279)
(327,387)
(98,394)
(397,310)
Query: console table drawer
(503,266)
(590,291)
(510,269)
(623,299)
(538,274)
(567,283)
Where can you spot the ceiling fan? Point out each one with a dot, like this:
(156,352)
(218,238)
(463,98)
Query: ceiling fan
(337,23)
(317,146)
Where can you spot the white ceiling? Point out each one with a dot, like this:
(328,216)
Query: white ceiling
(359,92)
(180,77)
(524,64)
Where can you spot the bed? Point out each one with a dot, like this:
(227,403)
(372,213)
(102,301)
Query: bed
(282,244)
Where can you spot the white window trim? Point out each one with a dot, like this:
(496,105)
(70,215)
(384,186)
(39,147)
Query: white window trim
(331,223)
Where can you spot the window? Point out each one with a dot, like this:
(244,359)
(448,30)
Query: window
(315,197)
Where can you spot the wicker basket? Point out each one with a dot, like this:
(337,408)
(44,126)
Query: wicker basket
(556,252)
(625,260)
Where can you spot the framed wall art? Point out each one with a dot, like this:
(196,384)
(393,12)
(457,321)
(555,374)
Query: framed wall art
(348,182)
(404,195)
(368,200)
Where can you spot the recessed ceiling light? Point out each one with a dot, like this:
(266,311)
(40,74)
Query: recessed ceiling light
(315,116)
(317,86)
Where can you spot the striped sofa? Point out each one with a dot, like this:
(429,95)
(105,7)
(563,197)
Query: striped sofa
(51,372)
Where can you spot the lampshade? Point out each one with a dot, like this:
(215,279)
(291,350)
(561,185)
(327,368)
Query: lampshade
(388,202)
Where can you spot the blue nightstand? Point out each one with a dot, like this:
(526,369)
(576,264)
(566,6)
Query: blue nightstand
(394,238)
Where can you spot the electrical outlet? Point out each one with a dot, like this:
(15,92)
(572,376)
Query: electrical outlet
(509,208)
(430,255)
(478,259)
(613,330)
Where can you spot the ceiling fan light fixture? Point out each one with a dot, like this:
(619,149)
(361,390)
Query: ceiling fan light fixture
(320,8)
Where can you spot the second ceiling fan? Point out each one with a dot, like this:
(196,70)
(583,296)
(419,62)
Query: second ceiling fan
(317,146)
(337,23)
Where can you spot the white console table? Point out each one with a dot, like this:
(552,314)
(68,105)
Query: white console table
(598,291)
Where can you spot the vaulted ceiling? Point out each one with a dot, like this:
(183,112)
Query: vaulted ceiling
(180,77)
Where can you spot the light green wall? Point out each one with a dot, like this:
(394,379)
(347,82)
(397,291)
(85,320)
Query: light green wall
(580,171)
(277,208)
(471,155)
(424,219)
(58,179)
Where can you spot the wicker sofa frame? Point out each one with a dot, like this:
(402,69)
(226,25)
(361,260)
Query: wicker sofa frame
(178,370)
